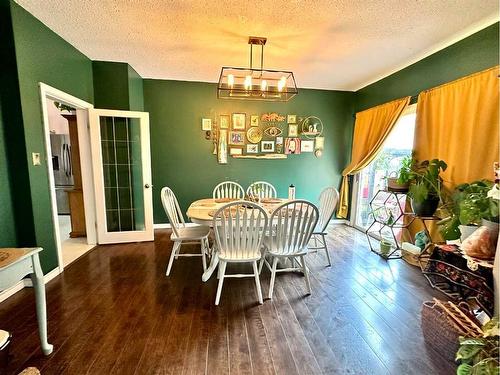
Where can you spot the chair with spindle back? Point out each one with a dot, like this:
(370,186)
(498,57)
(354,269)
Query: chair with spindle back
(182,234)
(328,200)
(228,189)
(239,228)
(293,224)
(262,189)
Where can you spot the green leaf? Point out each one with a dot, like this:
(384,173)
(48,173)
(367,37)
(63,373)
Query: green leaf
(464,369)
(466,352)
(472,341)
(487,366)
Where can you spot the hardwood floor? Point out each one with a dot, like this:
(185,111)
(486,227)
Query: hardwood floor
(114,311)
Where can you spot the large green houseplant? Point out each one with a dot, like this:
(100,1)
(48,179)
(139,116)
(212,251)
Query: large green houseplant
(426,184)
(480,356)
(471,205)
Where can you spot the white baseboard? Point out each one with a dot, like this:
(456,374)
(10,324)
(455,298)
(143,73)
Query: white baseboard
(340,221)
(168,226)
(11,291)
(26,283)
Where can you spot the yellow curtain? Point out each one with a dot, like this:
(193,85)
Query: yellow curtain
(371,129)
(458,122)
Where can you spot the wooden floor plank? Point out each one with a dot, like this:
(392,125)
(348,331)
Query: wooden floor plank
(114,311)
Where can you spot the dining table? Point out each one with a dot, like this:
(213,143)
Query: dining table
(202,212)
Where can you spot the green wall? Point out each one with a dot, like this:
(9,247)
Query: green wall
(117,86)
(9,121)
(472,54)
(135,90)
(43,56)
(182,159)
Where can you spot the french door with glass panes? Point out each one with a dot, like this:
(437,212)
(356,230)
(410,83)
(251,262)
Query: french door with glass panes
(122,175)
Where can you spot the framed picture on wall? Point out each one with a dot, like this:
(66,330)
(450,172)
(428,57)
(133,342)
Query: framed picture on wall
(307,146)
(267,146)
(292,146)
(206,124)
(293,130)
(254,120)
(253,149)
(237,138)
(235,151)
(224,121)
(239,121)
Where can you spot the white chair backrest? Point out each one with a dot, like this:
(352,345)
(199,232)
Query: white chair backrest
(228,189)
(172,209)
(293,223)
(328,200)
(239,228)
(262,189)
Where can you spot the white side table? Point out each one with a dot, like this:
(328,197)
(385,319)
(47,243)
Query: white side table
(15,264)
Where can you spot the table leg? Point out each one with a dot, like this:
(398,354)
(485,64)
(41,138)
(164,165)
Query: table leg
(41,309)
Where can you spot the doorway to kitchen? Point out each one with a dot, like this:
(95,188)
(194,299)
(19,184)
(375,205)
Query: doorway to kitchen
(67,142)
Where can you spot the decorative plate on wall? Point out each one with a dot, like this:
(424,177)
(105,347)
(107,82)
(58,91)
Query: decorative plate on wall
(254,135)
(273,131)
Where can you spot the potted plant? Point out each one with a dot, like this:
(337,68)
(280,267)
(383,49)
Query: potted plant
(426,186)
(480,355)
(401,182)
(472,204)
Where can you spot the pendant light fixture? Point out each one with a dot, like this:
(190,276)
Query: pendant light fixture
(256,84)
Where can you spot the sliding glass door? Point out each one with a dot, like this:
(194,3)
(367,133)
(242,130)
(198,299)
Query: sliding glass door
(398,145)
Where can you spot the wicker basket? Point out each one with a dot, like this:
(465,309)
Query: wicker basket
(443,323)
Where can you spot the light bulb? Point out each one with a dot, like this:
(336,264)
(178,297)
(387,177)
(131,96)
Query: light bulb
(248,82)
(281,84)
(230,80)
(263,85)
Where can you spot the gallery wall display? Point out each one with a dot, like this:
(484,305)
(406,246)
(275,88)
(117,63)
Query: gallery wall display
(263,136)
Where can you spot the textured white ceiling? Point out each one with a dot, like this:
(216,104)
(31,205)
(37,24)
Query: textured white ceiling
(329,44)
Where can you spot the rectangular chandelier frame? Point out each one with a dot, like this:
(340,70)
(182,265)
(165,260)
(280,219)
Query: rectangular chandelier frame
(256,84)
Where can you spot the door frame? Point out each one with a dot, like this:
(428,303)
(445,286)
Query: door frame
(82,115)
(105,237)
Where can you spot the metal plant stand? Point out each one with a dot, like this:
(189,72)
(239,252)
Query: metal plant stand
(388,211)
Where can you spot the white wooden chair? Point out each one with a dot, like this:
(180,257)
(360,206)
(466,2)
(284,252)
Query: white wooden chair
(182,234)
(293,224)
(328,200)
(228,189)
(262,189)
(239,229)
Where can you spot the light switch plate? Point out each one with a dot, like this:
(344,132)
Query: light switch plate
(36,158)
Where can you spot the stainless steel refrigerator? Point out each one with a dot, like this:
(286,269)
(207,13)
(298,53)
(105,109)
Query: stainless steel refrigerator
(62,169)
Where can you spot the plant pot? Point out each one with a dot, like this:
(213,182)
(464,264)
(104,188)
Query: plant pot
(493,227)
(385,247)
(427,208)
(466,231)
(394,185)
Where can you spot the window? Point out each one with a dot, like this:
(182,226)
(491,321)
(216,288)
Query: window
(371,179)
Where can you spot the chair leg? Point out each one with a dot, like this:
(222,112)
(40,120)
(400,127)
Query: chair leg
(306,273)
(261,263)
(273,277)
(175,248)
(326,250)
(257,282)
(222,266)
(203,254)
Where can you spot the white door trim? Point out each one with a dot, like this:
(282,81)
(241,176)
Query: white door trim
(82,107)
(103,236)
